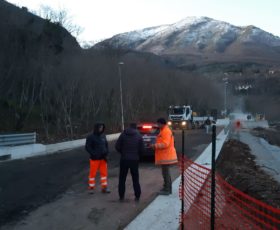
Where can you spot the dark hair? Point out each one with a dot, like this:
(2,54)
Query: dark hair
(161,121)
(133,125)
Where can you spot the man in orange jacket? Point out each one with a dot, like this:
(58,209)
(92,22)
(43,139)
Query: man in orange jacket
(165,154)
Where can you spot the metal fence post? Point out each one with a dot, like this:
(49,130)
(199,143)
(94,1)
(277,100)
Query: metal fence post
(183,179)
(213,181)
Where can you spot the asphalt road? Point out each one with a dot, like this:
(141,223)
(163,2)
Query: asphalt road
(26,185)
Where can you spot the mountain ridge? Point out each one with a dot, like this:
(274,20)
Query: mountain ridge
(199,36)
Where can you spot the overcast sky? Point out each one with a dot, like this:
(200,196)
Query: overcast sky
(104,18)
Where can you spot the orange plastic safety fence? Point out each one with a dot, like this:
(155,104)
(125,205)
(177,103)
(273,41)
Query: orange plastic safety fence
(233,208)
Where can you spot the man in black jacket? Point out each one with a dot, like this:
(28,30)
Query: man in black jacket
(97,147)
(130,145)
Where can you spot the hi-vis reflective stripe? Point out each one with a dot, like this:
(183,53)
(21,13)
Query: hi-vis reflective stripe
(91,185)
(160,146)
(91,179)
(103,178)
(167,161)
(104,183)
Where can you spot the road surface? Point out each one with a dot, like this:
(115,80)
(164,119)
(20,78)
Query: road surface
(50,192)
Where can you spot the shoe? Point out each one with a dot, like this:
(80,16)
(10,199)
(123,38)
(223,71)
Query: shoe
(164,189)
(91,190)
(105,190)
(137,199)
(164,192)
(121,199)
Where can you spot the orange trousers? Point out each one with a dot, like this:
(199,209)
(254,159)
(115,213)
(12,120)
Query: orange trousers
(94,166)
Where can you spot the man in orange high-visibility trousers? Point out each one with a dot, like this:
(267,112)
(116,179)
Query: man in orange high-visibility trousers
(165,154)
(97,147)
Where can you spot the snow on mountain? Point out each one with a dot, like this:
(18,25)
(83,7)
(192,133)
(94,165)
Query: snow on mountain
(195,35)
(133,38)
(251,33)
(195,32)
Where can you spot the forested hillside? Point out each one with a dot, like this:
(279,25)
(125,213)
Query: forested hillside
(52,86)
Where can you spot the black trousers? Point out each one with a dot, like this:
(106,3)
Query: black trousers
(125,165)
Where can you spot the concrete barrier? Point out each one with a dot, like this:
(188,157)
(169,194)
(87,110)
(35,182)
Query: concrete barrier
(206,157)
(222,122)
(24,151)
(74,144)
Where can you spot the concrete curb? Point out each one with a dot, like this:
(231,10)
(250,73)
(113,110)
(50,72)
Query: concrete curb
(74,144)
(161,214)
(205,158)
(24,151)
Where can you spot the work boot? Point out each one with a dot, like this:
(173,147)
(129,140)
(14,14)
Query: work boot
(105,190)
(91,190)
(166,189)
(164,193)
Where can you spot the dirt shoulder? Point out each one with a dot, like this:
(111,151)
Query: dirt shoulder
(237,165)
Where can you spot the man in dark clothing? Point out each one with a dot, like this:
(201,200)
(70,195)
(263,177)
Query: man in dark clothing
(97,147)
(131,146)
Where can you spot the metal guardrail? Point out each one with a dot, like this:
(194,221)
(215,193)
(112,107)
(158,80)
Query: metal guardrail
(17,139)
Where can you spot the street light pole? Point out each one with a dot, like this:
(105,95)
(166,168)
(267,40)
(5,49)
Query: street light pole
(121,94)
(226,82)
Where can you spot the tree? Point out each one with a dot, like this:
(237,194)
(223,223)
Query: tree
(60,17)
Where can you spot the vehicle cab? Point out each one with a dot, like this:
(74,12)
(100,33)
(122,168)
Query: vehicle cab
(179,116)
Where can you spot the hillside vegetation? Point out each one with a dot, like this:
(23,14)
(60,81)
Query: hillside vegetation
(248,58)
(50,85)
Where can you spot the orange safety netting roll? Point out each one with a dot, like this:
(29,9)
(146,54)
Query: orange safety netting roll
(233,208)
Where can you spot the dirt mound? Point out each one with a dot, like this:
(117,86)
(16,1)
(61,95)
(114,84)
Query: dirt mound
(258,129)
(271,135)
(236,164)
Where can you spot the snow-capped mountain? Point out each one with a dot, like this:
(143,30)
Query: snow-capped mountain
(198,36)
(133,39)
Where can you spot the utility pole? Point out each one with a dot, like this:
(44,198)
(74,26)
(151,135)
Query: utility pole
(121,93)
(225,102)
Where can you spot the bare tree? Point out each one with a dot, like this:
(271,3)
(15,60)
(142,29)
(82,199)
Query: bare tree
(60,17)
